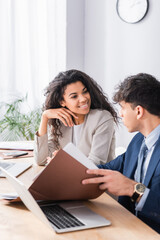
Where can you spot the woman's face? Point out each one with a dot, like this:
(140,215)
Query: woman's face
(77,99)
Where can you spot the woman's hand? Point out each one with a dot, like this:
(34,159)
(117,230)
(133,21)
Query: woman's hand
(63,114)
(53,155)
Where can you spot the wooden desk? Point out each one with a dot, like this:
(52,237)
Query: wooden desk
(16,222)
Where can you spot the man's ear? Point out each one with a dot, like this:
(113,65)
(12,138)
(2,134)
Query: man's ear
(139,111)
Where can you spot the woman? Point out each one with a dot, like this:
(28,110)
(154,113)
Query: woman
(76,110)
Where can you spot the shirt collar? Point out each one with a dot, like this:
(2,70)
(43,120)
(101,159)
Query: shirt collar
(152,138)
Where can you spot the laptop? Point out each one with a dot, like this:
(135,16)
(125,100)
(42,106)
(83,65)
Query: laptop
(15,169)
(63,216)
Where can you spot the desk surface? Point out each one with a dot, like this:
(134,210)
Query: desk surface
(16,222)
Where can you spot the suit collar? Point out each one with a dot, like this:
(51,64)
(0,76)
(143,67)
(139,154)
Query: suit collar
(132,164)
(153,163)
(133,156)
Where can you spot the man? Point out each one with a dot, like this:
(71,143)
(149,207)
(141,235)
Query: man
(137,183)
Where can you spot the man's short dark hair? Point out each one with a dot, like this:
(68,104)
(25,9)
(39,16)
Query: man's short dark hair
(141,89)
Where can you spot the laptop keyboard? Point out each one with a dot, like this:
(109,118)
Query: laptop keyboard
(60,217)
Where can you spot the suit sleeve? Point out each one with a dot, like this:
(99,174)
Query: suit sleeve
(117,164)
(151,208)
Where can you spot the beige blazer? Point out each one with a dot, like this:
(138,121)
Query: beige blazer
(97,140)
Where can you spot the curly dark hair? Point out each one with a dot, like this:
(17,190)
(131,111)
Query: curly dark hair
(55,91)
(142,89)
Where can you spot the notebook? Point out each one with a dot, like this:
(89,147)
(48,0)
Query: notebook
(63,216)
(14,168)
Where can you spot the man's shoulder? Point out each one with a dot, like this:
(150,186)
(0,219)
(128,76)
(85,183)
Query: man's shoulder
(136,141)
(138,136)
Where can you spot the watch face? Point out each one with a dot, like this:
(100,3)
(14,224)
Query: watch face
(132,11)
(140,188)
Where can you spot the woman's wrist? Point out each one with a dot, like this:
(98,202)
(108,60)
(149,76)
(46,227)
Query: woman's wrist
(44,117)
(43,125)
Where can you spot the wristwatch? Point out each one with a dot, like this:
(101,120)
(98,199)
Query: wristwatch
(139,189)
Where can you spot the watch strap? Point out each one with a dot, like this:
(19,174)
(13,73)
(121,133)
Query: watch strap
(139,189)
(135,196)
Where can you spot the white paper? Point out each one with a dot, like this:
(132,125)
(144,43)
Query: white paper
(8,196)
(19,145)
(72,150)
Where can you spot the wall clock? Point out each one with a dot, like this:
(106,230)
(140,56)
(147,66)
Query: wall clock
(132,11)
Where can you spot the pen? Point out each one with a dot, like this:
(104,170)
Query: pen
(20,154)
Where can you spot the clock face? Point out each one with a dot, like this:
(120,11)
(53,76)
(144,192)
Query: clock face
(132,11)
(140,188)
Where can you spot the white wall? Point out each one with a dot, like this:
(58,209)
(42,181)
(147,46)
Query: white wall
(113,49)
(75,34)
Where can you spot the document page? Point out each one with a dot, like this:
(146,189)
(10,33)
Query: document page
(72,150)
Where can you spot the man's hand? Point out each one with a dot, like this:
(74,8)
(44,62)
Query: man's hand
(112,181)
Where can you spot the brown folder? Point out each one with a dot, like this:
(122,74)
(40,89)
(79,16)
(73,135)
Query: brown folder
(61,180)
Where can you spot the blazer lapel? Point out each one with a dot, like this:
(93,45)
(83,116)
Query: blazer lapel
(67,136)
(153,163)
(133,159)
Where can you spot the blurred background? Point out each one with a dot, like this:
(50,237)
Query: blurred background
(39,38)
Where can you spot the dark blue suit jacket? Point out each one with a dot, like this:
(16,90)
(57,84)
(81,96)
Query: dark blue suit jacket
(126,164)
